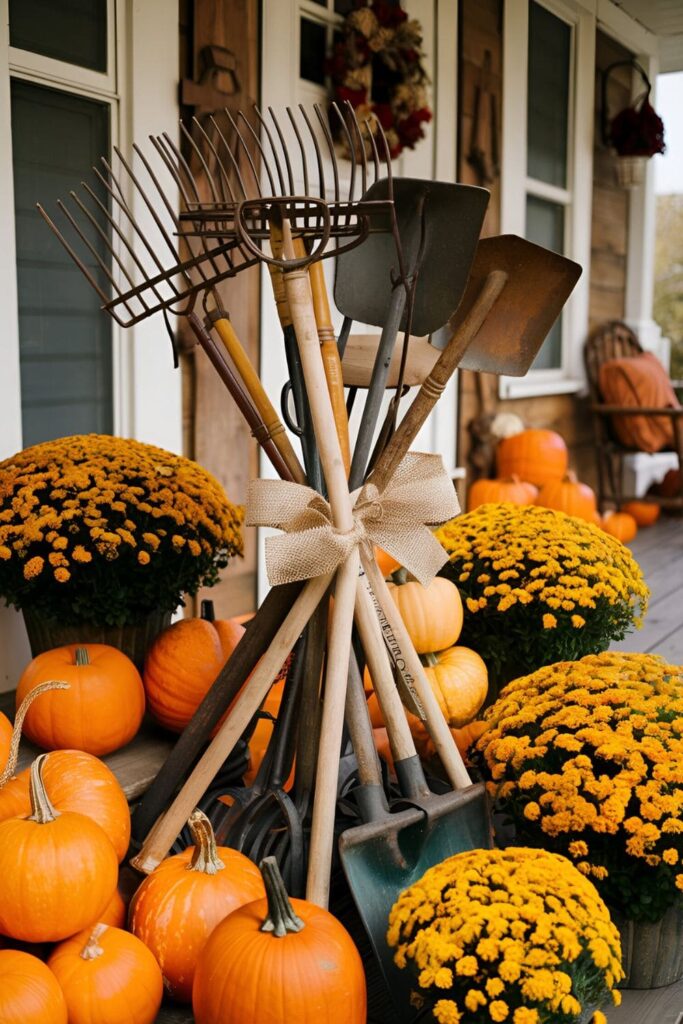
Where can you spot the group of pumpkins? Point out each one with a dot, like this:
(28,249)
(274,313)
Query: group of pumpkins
(204,926)
(532,469)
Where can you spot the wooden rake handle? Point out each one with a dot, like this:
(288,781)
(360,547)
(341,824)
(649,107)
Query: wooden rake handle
(331,361)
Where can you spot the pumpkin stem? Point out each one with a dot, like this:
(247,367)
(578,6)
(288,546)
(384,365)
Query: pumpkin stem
(82,656)
(205,857)
(207,611)
(10,767)
(92,948)
(429,659)
(281,917)
(42,810)
(400,576)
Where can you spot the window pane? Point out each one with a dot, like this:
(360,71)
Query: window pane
(64,338)
(545,226)
(312,51)
(71,30)
(548,96)
(343,6)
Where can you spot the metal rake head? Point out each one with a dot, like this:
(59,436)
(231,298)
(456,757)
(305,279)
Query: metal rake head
(141,255)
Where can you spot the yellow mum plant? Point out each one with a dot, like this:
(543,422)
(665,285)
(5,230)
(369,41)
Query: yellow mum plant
(516,936)
(100,529)
(539,586)
(586,758)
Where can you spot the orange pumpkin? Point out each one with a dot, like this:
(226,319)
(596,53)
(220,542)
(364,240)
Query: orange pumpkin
(180,903)
(645,513)
(5,741)
(570,496)
(183,663)
(620,525)
(58,872)
(459,680)
(102,710)
(75,781)
(510,489)
(107,976)
(29,991)
(386,562)
(115,913)
(279,961)
(432,615)
(533,455)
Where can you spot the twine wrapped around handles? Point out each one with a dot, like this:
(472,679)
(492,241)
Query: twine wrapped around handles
(419,495)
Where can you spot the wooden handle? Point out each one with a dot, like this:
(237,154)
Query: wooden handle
(331,361)
(258,394)
(164,833)
(433,387)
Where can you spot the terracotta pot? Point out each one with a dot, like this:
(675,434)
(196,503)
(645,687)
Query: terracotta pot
(652,954)
(134,640)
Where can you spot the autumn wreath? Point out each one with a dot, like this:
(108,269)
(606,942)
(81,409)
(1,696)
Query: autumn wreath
(376,66)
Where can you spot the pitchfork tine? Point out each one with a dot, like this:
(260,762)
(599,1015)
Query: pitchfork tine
(200,157)
(335,169)
(173,169)
(373,146)
(364,159)
(98,228)
(278,165)
(304,162)
(219,162)
(318,154)
(81,266)
(285,150)
(148,203)
(235,165)
(260,148)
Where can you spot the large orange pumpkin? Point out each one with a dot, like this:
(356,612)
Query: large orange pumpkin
(58,872)
(183,663)
(432,614)
(75,781)
(29,991)
(533,455)
(459,680)
(645,513)
(108,977)
(511,489)
(103,708)
(570,496)
(279,961)
(5,740)
(620,525)
(180,903)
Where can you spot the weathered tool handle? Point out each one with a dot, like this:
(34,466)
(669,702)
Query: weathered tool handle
(164,832)
(433,387)
(331,361)
(231,678)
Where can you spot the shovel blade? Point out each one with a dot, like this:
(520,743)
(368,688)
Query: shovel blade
(383,858)
(539,283)
(450,216)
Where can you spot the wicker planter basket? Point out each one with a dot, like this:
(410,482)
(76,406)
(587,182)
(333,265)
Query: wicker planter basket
(134,640)
(652,953)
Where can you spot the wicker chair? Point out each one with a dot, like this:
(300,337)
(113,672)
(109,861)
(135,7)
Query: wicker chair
(615,340)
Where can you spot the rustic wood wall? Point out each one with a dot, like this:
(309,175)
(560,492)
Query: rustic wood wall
(215,433)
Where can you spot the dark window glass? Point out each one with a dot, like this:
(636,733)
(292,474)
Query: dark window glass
(548,96)
(64,338)
(71,30)
(322,3)
(545,225)
(312,51)
(343,7)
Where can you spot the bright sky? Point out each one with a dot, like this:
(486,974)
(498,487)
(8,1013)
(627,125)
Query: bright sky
(669,106)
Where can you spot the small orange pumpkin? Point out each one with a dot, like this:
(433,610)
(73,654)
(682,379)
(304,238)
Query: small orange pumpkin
(115,913)
(432,615)
(645,513)
(459,680)
(386,562)
(510,489)
(29,991)
(570,496)
(107,976)
(183,663)
(58,872)
(533,455)
(180,903)
(103,708)
(620,525)
(279,961)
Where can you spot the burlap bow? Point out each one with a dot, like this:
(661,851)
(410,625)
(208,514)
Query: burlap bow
(420,494)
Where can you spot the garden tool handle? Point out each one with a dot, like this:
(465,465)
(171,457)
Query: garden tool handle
(433,386)
(331,359)
(370,794)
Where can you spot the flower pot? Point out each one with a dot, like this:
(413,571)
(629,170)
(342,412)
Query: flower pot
(631,170)
(134,640)
(652,954)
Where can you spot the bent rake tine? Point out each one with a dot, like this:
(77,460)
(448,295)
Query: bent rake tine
(86,212)
(148,203)
(278,166)
(260,148)
(79,263)
(223,173)
(200,157)
(233,161)
(304,162)
(285,151)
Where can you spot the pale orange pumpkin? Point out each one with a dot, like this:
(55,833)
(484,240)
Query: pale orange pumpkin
(432,615)
(183,662)
(459,680)
(533,455)
(510,489)
(58,872)
(108,976)
(279,960)
(179,904)
(570,496)
(386,562)
(29,991)
(645,513)
(620,525)
(102,710)
(75,781)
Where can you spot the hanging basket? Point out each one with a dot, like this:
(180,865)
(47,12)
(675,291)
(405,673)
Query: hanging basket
(631,170)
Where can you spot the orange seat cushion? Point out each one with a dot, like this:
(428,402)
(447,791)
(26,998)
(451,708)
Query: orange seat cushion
(639,382)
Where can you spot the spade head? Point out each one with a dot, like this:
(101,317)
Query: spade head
(441,221)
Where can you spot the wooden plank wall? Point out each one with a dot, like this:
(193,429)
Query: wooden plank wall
(215,433)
